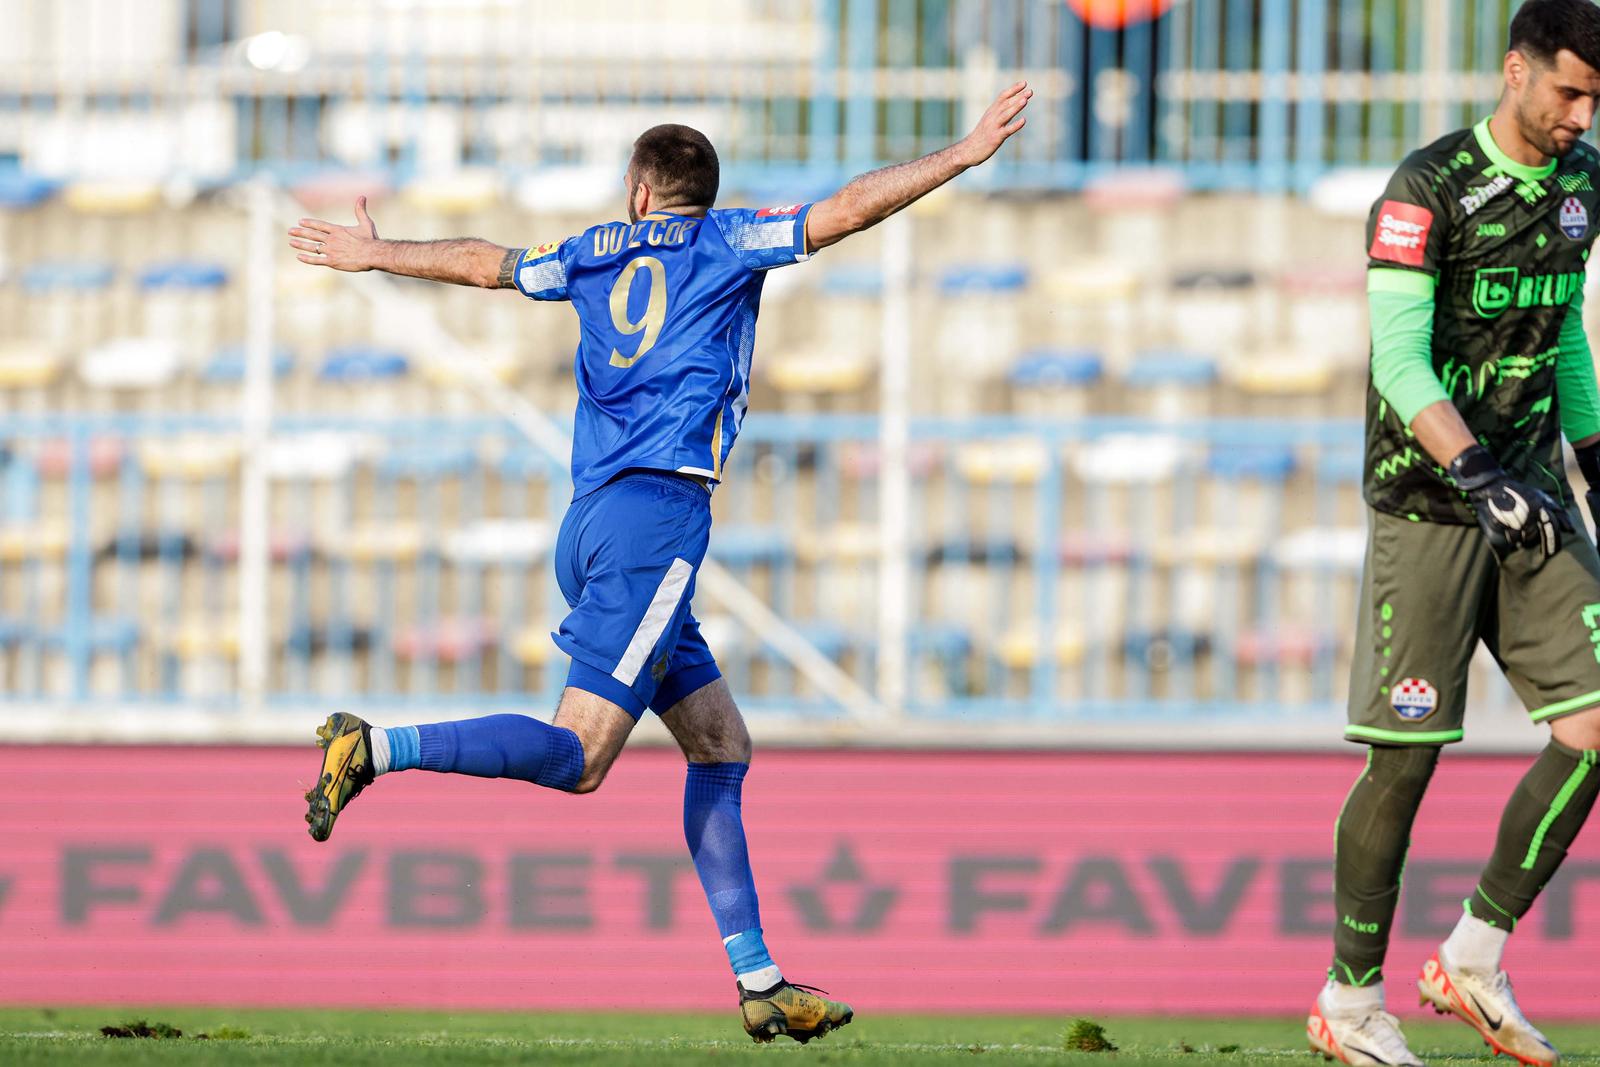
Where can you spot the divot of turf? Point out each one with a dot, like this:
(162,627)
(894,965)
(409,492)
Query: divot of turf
(1086,1035)
(142,1028)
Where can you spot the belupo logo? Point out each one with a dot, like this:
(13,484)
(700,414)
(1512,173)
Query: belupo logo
(1401,234)
(1493,289)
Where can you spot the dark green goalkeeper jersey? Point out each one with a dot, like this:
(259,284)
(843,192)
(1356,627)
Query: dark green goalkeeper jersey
(1502,247)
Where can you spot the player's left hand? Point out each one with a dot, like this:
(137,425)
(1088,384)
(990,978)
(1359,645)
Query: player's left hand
(1511,514)
(326,244)
(1003,119)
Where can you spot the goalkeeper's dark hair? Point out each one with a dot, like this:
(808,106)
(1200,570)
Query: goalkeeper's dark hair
(1542,28)
(679,163)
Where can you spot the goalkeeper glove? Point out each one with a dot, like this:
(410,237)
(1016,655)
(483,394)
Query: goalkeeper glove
(1512,515)
(1589,464)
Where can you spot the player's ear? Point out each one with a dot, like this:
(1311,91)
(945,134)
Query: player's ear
(1516,70)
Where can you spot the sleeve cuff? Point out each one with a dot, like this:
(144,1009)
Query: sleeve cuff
(1406,282)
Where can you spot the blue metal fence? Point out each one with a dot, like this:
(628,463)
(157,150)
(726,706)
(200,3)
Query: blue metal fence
(1251,94)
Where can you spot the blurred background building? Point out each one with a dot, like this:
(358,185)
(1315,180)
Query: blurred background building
(1069,453)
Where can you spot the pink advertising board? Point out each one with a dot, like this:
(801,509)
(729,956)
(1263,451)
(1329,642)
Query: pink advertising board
(971,882)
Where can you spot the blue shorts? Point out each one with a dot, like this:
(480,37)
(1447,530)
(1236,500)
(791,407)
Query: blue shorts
(626,560)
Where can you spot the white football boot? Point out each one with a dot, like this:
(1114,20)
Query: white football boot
(1371,1039)
(1486,1003)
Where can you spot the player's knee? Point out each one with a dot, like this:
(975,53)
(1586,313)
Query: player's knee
(1581,731)
(723,740)
(1404,769)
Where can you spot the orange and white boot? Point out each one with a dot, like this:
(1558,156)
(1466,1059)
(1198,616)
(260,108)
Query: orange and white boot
(1371,1038)
(1485,1003)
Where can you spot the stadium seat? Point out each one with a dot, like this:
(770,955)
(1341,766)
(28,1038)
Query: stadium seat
(1219,305)
(112,196)
(334,192)
(747,544)
(449,640)
(363,363)
(28,369)
(1016,461)
(149,545)
(142,364)
(978,333)
(54,276)
(374,542)
(105,456)
(1055,383)
(363,379)
(863,280)
(20,190)
(227,366)
(579,190)
(24,542)
(532,646)
(1096,299)
(68,303)
(1282,385)
(427,461)
(803,378)
(1327,312)
(500,541)
(1018,648)
(319,456)
(1126,459)
(283,546)
(462,192)
(1171,384)
(1133,211)
(306,639)
(190,458)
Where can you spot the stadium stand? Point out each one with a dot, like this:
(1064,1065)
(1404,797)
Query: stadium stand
(1137,368)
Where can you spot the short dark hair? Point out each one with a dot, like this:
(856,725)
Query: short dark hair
(678,162)
(1544,27)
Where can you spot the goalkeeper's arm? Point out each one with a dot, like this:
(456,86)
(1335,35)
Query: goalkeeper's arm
(1512,515)
(457,260)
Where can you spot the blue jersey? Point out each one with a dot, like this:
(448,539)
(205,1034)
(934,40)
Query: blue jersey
(668,308)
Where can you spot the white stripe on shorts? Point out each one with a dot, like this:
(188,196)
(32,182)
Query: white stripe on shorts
(655,620)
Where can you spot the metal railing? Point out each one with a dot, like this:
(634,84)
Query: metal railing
(1252,94)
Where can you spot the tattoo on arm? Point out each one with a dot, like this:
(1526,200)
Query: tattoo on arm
(508,268)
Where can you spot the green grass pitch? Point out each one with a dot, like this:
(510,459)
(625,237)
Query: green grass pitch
(72,1035)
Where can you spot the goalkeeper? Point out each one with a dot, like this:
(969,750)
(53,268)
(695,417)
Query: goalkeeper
(1477,251)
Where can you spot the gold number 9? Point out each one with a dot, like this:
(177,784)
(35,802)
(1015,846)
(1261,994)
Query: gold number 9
(655,312)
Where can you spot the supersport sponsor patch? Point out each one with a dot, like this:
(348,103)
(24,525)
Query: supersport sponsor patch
(1414,699)
(769,212)
(1574,218)
(1402,233)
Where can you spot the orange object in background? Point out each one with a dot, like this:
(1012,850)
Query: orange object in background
(1117,14)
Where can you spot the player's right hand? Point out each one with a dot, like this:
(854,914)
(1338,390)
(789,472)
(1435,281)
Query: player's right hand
(1003,118)
(325,244)
(1511,514)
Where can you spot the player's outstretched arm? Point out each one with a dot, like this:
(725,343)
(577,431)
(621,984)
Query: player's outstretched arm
(457,260)
(874,196)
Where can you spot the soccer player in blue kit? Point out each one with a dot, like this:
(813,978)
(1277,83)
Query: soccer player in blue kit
(667,303)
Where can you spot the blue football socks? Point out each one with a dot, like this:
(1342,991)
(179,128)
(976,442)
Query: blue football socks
(714,829)
(495,746)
